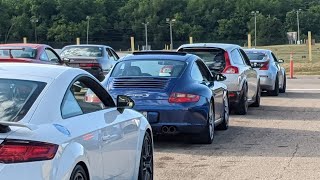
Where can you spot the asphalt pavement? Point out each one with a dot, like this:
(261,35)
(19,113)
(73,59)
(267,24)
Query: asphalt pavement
(279,140)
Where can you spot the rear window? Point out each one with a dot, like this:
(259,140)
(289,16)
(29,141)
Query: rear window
(213,58)
(18,52)
(148,68)
(16,98)
(83,51)
(256,55)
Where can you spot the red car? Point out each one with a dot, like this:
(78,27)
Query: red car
(29,53)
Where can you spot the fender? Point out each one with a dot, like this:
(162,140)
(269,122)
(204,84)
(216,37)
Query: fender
(143,127)
(67,157)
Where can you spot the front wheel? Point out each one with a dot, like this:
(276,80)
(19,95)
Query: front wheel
(242,108)
(79,173)
(225,116)
(146,159)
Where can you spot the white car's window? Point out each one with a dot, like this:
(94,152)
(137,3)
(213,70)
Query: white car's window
(70,106)
(236,57)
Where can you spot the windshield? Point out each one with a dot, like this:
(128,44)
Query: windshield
(213,58)
(16,98)
(256,55)
(149,68)
(18,53)
(85,51)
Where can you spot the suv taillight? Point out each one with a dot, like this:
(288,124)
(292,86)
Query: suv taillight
(17,151)
(229,69)
(265,66)
(183,98)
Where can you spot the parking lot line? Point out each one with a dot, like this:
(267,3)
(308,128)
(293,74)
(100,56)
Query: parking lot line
(303,89)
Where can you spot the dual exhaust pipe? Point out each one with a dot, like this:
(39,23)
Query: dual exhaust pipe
(169,129)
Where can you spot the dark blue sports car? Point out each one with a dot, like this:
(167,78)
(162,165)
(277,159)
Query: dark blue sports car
(175,91)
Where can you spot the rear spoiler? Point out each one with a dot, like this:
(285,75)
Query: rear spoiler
(6,124)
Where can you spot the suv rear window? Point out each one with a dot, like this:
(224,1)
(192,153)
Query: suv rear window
(256,55)
(213,58)
(82,51)
(16,98)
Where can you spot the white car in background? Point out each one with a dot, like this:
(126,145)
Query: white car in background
(49,131)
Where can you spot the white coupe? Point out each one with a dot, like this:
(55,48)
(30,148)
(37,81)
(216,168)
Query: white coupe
(49,130)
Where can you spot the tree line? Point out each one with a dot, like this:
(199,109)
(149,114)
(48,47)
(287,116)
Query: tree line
(117,20)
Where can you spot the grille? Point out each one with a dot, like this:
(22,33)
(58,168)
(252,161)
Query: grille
(147,83)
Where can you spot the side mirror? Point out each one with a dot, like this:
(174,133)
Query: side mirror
(220,77)
(124,102)
(280,60)
(66,60)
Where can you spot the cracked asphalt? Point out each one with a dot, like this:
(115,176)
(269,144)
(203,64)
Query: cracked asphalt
(279,140)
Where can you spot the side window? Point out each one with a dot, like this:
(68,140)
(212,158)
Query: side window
(274,57)
(196,73)
(206,74)
(111,55)
(51,55)
(44,56)
(236,57)
(245,57)
(81,98)
(114,54)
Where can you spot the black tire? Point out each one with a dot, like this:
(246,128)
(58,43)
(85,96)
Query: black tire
(146,159)
(207,136)
(284,87)
(242,108)
(258,97)
(226,113)
(275,92)
(79,173)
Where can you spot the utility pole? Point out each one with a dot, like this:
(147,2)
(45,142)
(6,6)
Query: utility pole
(34,20)
(255,27)
(88,21)
(170,22)
(298,23)
(146,33)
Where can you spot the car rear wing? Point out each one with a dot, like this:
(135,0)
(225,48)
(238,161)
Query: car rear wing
(5,126)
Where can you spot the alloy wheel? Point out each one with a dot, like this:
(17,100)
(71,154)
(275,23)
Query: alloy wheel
(147,158)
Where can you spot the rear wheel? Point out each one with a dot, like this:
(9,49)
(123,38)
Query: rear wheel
(79,173)
(207,136)
(243,103)
(275,92)
(225,116)
(146,159)
(258,97)
(284,86)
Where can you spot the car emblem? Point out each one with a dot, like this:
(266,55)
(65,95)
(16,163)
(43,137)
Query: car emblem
(138,95)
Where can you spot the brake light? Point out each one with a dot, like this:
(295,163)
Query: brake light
(17,151)
(229,69)
(265,66)
(89,65)
(183,98)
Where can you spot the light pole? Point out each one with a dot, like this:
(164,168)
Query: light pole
(170,22)
(88,21)
(146,33)
(35,20)
(298,42)
(7,36)
(255,27)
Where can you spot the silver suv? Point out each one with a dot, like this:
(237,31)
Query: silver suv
(243,82)
(272,75)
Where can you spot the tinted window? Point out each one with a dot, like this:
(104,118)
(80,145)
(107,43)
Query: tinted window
(213,58)
(256,55)
(18,53)
(85,51)
(16,98)
(236,57)
(196,73)
(148,68)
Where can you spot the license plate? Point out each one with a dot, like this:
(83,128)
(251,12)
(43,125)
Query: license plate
(145,114)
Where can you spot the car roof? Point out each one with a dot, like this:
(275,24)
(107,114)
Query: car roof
(258,50)
(210,45)
(159,55)
(32,69)
(23,45)
(86,45)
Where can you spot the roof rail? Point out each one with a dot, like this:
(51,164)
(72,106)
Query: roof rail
(160,52)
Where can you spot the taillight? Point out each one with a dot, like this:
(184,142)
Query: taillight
(265,66)
(89,65)
(17,151)
(183,98)
(229,69)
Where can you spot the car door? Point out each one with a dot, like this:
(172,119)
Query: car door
(217,92)
(251,75)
